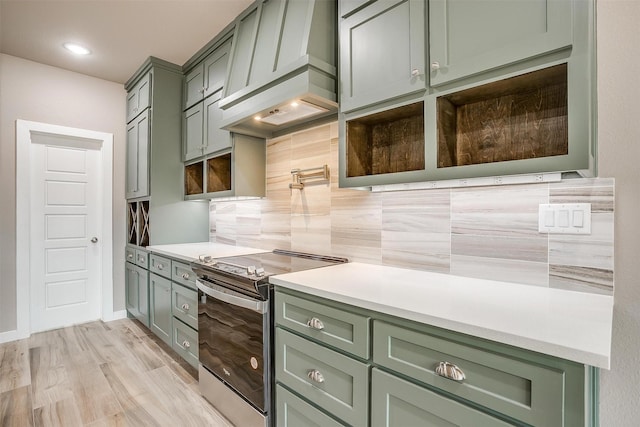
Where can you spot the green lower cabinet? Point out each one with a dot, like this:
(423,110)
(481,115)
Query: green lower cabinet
(185,342)
(137,292)
(399,403)
(292,411)
(335,382)
(515,387)
(185,304)
(160,307)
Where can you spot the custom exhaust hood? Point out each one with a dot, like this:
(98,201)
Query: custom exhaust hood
(282,70)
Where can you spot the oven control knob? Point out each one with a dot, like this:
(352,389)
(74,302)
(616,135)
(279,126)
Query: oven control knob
(259,271)
(251,269)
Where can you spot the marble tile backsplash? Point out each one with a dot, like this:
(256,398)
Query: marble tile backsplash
(482,232)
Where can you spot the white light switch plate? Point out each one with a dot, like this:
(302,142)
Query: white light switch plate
(564,218)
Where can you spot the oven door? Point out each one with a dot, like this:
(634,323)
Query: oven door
(232,328)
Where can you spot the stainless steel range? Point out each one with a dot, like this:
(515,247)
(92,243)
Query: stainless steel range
(235,330)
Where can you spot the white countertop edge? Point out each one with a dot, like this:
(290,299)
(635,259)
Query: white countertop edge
(189,252)
(590,356)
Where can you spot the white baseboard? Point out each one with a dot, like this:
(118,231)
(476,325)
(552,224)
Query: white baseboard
(116,315)
(11,336)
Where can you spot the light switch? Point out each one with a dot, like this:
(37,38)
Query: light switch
(578,219)
(549,218)
(564,218)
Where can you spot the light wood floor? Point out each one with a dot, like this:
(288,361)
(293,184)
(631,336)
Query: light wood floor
(99,374)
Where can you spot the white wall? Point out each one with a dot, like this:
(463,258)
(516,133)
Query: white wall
(36,92)
(619,156)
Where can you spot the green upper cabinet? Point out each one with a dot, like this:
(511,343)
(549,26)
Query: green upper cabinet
(202,133)
(137,173)
(139,97)
(208,76)
(382,52)
(154,166)
(467,37)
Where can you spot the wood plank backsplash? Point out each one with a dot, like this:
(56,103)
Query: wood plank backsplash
(482,232)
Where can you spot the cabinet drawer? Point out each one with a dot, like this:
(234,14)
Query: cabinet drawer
(291,411)
(185,342)
(185,305)
(182,273)
(338,328)
(130,254)
(396,402)
(160,265)
(341,386)
(528,392)
(142,258)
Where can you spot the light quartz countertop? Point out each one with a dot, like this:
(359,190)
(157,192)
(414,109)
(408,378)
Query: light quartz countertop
(189,252)
(566,324)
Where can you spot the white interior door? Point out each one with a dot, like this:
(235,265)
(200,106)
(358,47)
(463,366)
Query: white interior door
(65,222)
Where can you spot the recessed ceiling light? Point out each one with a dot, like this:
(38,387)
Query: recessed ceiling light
(77,49)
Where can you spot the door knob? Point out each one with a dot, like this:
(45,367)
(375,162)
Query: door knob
(94,240)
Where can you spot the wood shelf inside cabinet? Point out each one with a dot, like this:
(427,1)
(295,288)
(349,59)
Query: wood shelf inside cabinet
(193,179)
(219,173)
(522,117)
(386,142)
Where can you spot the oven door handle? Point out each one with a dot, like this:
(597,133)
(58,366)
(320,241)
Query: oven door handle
(238,301)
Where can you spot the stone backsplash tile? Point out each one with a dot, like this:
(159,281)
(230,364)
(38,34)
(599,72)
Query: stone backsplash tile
(482,232)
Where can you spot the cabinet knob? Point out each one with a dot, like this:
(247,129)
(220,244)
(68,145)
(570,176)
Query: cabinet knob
(186,344)
(185,306)
(415,72)
(435,65)
(130,256)
(185,276)
(450,371)
(160,267)
(140,259)
(315,323)
(315,376)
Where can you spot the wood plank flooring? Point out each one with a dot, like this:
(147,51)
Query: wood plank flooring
(99,374)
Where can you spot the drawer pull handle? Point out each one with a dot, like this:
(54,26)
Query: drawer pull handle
(186,344)
(185,306)
(315,323)
(185,276)
(450,371)
(316,376)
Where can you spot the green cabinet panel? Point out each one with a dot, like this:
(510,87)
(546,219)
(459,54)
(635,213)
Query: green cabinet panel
(137,292)
(139,97)
(215,138)
(130,254)
(469,37)
(160,318)
(185,342)
(193,120)
(399,403)
(292,411)
(137,173)
(377,64)
(194,86)
(142,258)
(517,388)
(333,381)
(160,265)
(184,304)
(338,328)
(181,273)
(202,133)
(207,77)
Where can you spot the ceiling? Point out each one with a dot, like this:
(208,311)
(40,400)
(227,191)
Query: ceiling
(120,33)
